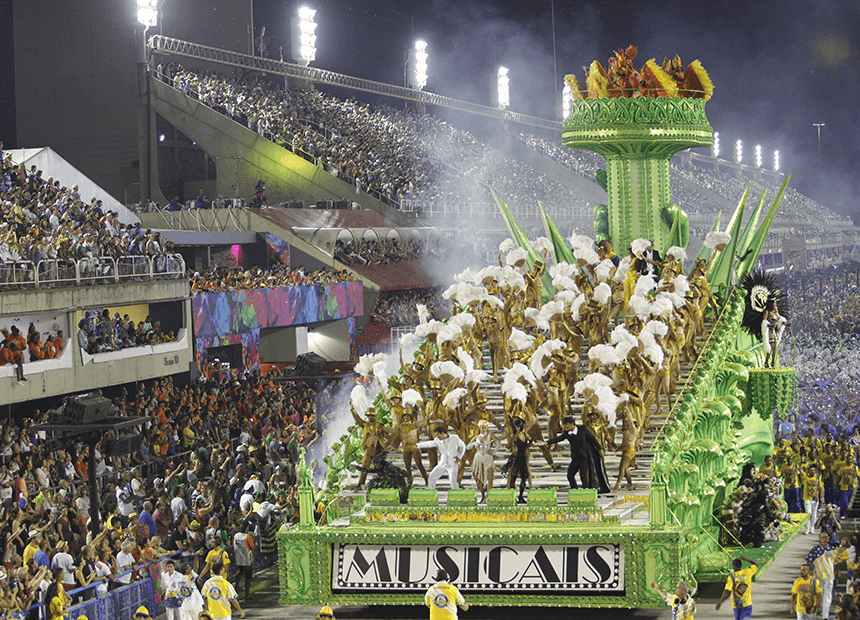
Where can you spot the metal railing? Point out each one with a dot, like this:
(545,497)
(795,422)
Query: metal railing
(167,45)
(52,273)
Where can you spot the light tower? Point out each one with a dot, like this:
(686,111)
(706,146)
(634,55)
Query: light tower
(417,66)
(758,155)
(819,126)
(147,13)
(739,151)
(503,90)
(716,147)
(776,161)
(566,98)
(303,36)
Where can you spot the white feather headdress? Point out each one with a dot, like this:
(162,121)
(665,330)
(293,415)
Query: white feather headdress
(411,397)
(358,398)
(366,362)
(519,340)
(580,241)
(452,399)
(606,354)
(637,246)
(656,327)
(676,252)
(446,369)
(623,268)
(515,256)
(623,340)
(604,269)
(591,382)
(602,293)
(715,238)
(520,371)
(644,285)
(650,348)
(380,373)
(542,244)
(563,269)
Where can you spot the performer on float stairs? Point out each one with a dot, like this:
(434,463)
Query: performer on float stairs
(451,449)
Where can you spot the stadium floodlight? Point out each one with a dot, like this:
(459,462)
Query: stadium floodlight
(776,161)
(503,88)
(758,155)
(739,151)
(566,101)
(716,147)
(304,37)
(417,66)
(147,12)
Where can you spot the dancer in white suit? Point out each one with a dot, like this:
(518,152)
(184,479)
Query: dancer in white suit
(451,449)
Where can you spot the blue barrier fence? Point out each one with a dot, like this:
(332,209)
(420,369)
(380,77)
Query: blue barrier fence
(119,604)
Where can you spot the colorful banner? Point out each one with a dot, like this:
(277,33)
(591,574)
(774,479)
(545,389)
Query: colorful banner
(233,317)
(219,313)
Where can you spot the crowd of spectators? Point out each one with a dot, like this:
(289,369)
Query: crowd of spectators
(15,350)
(217,460)
(98,332)
(226,279)
(400,308)
(585,163)
(47,226)
(395,154)
(825,303)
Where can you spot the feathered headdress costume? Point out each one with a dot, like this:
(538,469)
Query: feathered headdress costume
(761,290)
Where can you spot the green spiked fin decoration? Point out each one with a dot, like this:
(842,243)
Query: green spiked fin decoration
(757,241)
(675,235)
(721,273)
(679,218)
(562,250)
(749,229)
(517,233)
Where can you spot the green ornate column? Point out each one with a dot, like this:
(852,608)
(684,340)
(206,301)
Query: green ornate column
(638,137)
(306,493)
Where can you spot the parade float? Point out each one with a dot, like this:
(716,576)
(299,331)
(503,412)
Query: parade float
(384,547)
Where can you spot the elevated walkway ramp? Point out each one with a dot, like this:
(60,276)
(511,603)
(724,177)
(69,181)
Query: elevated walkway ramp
(242,156)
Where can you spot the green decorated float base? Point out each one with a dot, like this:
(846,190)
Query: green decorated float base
(498,564)
(546,554)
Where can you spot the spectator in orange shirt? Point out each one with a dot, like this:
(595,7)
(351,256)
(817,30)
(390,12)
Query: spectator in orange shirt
(51,348)
(34,343)
(9,354)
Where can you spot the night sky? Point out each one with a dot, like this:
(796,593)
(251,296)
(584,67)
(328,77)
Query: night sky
(778,67)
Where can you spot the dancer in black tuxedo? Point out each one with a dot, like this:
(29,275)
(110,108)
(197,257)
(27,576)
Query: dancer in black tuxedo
(585,456)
